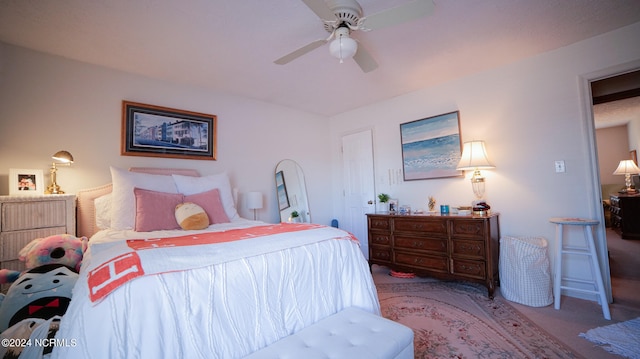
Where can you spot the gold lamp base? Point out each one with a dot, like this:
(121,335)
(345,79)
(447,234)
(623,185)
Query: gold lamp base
(53,189)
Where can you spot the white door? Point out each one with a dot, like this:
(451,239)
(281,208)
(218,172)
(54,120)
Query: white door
(359,189)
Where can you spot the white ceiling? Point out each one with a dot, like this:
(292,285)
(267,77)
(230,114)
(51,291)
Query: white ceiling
(617,113)
(229,46)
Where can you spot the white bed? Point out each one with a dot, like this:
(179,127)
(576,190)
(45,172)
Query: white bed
(227,301)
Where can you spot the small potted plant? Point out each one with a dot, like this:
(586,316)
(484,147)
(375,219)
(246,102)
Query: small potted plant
(383,198)
(295,217)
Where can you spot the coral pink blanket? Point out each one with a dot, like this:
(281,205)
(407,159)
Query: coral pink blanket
(122,261)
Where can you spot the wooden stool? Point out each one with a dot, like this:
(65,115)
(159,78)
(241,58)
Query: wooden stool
(589,251)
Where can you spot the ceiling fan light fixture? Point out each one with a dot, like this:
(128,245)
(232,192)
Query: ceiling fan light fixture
(343,47)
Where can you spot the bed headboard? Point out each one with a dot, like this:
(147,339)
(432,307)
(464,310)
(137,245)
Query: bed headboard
(86,210)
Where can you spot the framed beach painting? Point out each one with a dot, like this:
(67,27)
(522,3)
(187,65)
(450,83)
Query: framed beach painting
(26,182)
(155,131)
(431,147)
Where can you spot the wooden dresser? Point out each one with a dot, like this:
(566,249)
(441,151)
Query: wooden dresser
(24,218)
(625,215)
(442,246)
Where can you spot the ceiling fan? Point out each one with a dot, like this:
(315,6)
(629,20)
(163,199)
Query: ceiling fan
(341,17)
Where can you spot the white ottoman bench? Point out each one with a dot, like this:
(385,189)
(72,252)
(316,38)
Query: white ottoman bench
(351,333)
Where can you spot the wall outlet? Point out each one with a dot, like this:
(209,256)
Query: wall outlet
(560,166)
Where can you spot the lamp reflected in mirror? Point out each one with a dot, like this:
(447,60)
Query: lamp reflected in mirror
(61,158)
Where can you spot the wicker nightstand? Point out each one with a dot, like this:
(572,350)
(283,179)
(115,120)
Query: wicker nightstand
(24,218)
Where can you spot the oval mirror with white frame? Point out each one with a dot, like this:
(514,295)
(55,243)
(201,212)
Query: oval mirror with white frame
(291,192)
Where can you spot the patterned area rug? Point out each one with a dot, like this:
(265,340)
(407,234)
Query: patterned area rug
(457,320)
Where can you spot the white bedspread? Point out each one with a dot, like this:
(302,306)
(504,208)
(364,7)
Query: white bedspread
(225,310)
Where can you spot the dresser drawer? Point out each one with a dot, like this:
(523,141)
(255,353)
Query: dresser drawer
(381,223)
(380,238)
(420,225)
(28,215)
(467,229)
(380,253)
(468,248)
(12,242)
(432,263)
(469,268)
(417,243)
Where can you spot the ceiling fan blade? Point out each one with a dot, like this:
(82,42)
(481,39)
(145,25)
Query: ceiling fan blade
(364,59)
(299,52)
(397,15)
(321,9)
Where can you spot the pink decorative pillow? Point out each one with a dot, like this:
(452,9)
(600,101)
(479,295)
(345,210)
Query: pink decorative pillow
(211,203)
(155,210)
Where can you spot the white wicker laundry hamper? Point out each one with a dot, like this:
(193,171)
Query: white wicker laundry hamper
(525,271)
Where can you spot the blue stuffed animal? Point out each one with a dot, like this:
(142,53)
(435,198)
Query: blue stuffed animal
(41,292)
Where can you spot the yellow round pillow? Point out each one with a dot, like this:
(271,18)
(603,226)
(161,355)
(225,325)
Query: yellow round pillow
(191,216)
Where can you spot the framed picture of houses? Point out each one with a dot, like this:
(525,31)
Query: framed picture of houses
(431,147)
(156,131)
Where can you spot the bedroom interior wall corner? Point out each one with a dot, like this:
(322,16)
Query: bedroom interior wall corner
(528,103)
(252,135)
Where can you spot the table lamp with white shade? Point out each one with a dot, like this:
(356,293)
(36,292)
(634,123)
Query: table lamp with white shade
(627,168)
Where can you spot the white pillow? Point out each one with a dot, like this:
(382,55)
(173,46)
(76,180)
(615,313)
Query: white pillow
(123,208)
(188,185)
(102,205)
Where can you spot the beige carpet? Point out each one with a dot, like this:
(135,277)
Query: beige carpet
(457,320)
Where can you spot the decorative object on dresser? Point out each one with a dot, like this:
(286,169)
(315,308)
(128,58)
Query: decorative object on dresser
(625,211)
(383,202)
(432,204)
(154,131)
(474,158)
(63,158)
(627,168)
(448,247)
(26,182)
(431,147)
(23,219)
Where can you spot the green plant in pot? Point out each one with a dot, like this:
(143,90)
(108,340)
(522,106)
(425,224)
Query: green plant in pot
(295,217)
(383,198)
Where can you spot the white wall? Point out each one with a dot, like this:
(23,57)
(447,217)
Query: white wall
(530,114)
(634,133)
(613,147)
(48,103)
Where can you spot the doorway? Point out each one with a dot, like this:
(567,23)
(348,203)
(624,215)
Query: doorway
(607,93)
(359,187)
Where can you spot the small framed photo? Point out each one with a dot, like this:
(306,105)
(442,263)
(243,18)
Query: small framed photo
(393,205)
(26,182)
